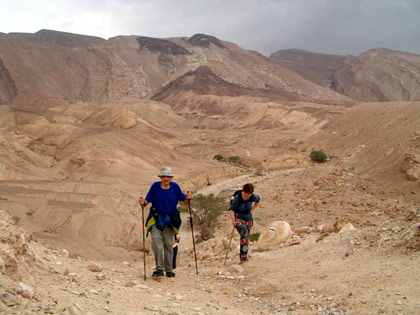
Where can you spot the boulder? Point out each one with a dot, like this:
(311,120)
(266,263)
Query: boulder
(303,230)
(411,166)
(275,234)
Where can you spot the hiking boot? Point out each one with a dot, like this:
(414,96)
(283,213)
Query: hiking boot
(157,273)
(243,259)
(170,274)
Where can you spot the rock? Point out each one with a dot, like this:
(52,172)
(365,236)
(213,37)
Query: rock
(2,266)
(225,243)
(413,214)
(125,264)
(131,284)
(9,299)
(25,290)
(328,228)
(302,230)
(94,268)
(277,233)
(236,269)
(75,309)
(411,166)
(293,242)
(347,228)
(151,308)
(101,276)
(66,253)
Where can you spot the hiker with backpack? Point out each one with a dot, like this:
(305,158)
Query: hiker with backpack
(241,209)
(164,219)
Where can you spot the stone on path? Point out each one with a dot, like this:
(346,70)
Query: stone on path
(9,299)
(95,268)
(25,290)
(275,234)
(347,228)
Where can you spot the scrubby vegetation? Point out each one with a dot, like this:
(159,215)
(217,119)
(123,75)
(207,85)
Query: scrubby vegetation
(218,157)
(234,159)
(254,237)
(318,156)
(205,209)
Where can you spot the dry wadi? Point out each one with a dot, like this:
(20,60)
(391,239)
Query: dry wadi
(86,123)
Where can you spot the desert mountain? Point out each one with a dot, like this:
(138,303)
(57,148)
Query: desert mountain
(64,68)
(60,38)
(376,75)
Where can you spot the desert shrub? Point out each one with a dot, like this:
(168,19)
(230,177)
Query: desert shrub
(318,156)
(218,157)
(254,237)
(205,209)
(234,158)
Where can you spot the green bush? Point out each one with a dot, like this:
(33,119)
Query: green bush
(218,157)
(234,158)
(318,156)
(254,237)
(205,209)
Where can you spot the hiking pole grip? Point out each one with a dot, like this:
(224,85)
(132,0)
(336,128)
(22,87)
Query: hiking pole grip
(144,242)
(192,232)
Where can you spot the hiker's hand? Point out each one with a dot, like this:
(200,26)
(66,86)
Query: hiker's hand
(234,222)
(178,238)
(142,202)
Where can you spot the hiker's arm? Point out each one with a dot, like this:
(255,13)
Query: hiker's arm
(232,216)
(255,206)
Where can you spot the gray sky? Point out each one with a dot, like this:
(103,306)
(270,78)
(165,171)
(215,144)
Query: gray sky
(326,26)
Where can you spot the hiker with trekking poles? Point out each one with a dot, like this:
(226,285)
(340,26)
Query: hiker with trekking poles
(241,209)
(164,219)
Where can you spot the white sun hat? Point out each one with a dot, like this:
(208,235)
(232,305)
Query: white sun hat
(166,171)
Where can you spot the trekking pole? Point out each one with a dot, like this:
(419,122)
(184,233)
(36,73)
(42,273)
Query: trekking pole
(144,242)
(192,231)
(230,241)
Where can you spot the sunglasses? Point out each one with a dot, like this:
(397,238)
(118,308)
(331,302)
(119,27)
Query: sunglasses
(166,176)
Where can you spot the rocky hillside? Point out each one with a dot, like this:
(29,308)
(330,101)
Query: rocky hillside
(376,75)
(52,68)
(60,38)
(318,68)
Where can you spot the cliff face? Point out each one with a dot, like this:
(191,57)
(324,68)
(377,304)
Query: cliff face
(7,85)
(376,75)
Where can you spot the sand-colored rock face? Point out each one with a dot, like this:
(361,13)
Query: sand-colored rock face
(376,75)
(67,68)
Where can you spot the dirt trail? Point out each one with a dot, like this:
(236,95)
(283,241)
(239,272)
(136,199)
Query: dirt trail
(237,182)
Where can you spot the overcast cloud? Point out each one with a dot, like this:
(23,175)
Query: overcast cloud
(326,26)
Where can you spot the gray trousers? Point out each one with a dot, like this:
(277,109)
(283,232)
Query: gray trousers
(162,247)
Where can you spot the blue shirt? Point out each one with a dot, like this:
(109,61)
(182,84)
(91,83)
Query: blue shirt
(242,208)
(165,200)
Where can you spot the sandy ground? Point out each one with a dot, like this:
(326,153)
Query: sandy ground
(368,271)
(374,269)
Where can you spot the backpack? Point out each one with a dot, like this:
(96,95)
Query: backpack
(234,194)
